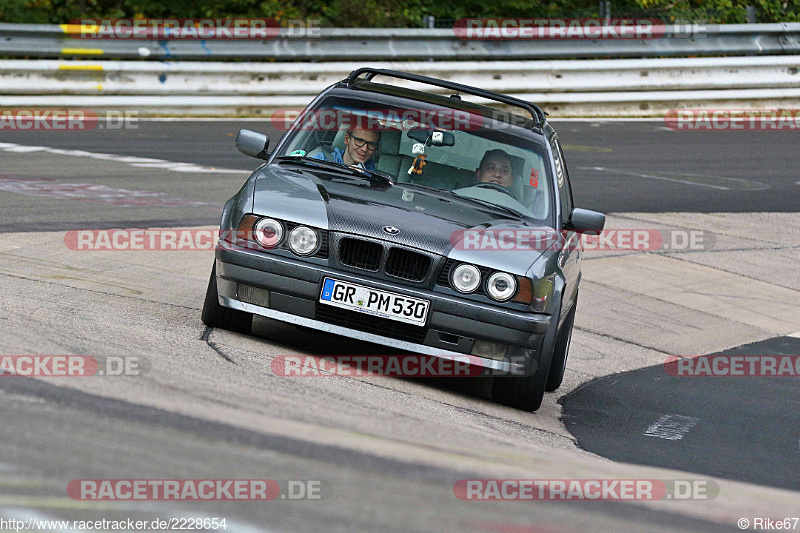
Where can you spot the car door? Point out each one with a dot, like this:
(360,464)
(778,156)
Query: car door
(569,256)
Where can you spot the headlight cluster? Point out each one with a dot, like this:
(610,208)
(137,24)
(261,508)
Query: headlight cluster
(303,240)
(499,286)
(466,278)
(271,233)
(268,232)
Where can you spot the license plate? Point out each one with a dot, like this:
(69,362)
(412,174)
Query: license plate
(374,302)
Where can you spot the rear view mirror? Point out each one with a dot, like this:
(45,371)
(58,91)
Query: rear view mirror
(585,221)
(433,138)
(253,144)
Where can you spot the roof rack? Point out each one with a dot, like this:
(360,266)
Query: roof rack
(536,112)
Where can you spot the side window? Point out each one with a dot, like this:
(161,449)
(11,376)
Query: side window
(562,180)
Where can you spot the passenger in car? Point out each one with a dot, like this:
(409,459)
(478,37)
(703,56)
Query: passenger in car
(359,147)
(496,168)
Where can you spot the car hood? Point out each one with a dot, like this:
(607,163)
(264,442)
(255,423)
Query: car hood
(424,220)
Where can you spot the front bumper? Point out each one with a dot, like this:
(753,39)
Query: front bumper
(453,324)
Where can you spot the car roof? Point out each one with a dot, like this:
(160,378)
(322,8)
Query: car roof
(519,122)
(369,74)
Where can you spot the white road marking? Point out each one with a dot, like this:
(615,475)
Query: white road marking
(92,192)
(134,161)
(650,176)
(671,427)
(19,397)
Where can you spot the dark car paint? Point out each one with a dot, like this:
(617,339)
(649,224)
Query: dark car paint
(426,220)
(307,197)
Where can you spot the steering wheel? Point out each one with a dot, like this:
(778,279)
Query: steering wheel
(497,187)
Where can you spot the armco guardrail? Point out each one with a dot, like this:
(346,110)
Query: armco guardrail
(621,87)
(356,44)
(562,76)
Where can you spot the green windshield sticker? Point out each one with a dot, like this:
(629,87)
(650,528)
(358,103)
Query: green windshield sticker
(298,153)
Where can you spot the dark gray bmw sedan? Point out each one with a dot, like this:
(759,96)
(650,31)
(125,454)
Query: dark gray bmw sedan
(411,215)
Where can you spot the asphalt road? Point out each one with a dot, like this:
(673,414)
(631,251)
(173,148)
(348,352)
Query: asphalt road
(616,167)
(613,417)
(83,436)
(392,448)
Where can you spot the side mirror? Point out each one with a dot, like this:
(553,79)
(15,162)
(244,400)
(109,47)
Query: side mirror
(253,144)
(585,221)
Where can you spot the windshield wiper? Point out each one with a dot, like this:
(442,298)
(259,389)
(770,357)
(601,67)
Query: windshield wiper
(491,205)
(436,190)
(330,165)
(467,198)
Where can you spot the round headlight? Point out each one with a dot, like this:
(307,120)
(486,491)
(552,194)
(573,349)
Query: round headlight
(303,240)
(466,278)
(268,232)
(501,286)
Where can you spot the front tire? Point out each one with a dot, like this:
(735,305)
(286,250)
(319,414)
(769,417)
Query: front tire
(524,392)
(527,392)
(559,363)
(216,316)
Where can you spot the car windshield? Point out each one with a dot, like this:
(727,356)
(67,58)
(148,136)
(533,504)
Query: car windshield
(472,156)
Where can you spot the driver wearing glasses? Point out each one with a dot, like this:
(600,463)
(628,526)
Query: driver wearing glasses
(359,147)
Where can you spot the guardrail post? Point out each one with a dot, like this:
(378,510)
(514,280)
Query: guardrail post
(605,10)
(751,14)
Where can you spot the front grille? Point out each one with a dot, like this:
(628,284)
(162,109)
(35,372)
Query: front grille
(407,265)
(370,324)
(444,277)
(360,254)
(323,245)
